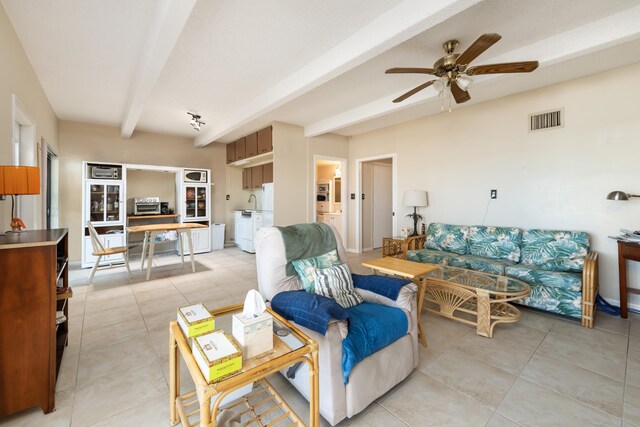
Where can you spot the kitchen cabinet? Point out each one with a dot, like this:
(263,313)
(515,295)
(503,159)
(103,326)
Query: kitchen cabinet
(246,178)
(256,177)
(111,240)
(231,152)
(265,140)
(243,233)
(267,173)
(200,239)
(241,149)
(103,202)
(195,202)
(251,145)
(334,219)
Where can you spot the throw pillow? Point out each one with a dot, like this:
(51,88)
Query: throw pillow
(309,310)
(335,282)
(305,267)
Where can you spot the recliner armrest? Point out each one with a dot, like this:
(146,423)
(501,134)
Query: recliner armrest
(406,297)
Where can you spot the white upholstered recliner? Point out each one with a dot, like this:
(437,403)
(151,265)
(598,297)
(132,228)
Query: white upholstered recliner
(369,379)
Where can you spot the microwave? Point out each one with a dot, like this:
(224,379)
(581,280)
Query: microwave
(104,172)
(144,206)
(195,176)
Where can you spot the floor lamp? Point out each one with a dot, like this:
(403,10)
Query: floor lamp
(17,181)
(415,198)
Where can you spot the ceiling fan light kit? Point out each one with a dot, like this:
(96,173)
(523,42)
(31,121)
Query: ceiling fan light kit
(454,69)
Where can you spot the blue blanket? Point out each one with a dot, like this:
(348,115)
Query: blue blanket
(371,327)
(382,285)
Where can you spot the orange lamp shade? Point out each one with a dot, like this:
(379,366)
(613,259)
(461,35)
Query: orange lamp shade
(19,180)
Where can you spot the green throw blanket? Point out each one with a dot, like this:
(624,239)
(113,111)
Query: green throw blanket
(306,241)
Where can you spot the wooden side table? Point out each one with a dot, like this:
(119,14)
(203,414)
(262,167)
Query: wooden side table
(626,251)
(414,271)
(392,246)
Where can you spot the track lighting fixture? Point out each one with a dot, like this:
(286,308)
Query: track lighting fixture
(195,121)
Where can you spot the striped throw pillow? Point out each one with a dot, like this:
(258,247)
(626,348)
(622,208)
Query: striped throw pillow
(335,282)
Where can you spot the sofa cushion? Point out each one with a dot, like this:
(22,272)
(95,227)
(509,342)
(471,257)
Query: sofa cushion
(304,267)
(551,279)
(430,256)
(555,300)
(555,250)
(495,242)
(478,263)
(447,237)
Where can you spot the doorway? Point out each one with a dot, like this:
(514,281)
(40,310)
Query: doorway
(329,186)
(376,187)
(50,210)
(25,153)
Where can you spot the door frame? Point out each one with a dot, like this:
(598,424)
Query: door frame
(394,190)
(25,152)
(343,186)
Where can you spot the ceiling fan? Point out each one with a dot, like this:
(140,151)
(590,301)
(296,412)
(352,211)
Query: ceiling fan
(454,67)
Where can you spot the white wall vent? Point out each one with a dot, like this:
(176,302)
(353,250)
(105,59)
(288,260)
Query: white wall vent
(546,120)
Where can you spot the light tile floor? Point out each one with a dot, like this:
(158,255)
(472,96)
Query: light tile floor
(541,371)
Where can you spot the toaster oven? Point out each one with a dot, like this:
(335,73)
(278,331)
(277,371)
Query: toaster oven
(104,172)
(144,206)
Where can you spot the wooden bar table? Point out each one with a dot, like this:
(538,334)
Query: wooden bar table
(152,230)
(414,271)
(626,251)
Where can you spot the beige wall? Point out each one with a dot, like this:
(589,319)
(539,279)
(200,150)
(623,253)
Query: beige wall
(290,189)
(17,77)
(548,179)
(86,142)
(144,183)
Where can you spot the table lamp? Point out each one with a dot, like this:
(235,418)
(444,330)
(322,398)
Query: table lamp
(415,198)
(16,181)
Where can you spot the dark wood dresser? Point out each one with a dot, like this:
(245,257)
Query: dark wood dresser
(34,285)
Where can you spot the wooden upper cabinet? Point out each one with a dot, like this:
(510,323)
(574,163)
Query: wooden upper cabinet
(241,152)
(251,144)
(267,173)
(246,178)
(265,141)
(231,152)
(256,176)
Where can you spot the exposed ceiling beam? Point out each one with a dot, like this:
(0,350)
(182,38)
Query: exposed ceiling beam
(166,26)
(408,19)
(610,31)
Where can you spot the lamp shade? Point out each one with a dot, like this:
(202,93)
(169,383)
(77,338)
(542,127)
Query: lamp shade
(415,198)
(19,180)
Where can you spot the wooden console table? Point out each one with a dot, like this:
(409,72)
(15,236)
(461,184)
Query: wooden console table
(626,251)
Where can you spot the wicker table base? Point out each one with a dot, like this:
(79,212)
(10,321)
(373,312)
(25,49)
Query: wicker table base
(482,305)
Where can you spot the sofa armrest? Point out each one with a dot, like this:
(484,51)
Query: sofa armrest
(589,288)
(412,243)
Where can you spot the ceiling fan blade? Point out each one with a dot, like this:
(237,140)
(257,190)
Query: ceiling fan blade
(410,70)
(414,91)
(509,67)
(458,94)
(483,43)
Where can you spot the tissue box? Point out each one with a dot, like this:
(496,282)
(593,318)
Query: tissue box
(195,320)
(217,356)
(254,335)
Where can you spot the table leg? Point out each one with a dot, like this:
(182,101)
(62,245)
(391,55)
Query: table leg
(152,245)
(193,263)
(181,243)
(314,401)
(421,283)
(483,322)
(144,249)
(174,379)
(622,273)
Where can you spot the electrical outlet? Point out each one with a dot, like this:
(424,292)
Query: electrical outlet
(228,197)
(494,194)
(353,196)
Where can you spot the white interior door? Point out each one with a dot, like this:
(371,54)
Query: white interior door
(382,203)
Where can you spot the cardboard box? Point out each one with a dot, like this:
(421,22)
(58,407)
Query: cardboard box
(255,335)
(195,320)
(217,356)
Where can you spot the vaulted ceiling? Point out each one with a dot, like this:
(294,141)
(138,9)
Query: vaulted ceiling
(319,64)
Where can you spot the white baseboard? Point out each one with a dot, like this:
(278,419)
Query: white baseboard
(351,250)
(367,249)
(615,302)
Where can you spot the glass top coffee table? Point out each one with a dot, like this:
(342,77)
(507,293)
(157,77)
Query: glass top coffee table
(473,297)
(262,405)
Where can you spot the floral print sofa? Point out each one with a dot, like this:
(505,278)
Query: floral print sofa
(558,265)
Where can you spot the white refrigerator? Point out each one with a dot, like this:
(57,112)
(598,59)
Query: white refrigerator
(267,204)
